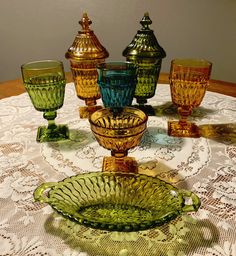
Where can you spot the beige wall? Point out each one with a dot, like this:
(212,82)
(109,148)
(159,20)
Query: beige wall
(33,30)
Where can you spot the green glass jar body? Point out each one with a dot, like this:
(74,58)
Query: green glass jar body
(148,70)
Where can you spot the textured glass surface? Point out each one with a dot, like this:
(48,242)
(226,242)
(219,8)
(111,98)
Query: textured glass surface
(84,54)
(85,77)
(45,83)
(118,133)
(146,53)
(117,201)
(117,82)
(46,91)
(189,79)
(147,77)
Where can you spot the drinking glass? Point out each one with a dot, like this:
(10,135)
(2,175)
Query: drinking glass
(189,79)
(45,83)
(119,133)
(117,82)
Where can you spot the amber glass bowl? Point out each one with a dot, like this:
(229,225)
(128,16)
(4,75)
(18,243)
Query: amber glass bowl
(118,133)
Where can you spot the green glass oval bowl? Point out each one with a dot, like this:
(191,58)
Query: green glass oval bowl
(117,201)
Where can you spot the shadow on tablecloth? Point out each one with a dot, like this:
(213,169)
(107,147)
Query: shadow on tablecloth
(223,133)
(78,138)
(170,110)
(184,235)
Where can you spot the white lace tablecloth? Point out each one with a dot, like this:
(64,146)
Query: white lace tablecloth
(205,166)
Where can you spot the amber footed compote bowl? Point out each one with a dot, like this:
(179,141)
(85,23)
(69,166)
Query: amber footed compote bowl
(119,133)
(189,79)
(45,83)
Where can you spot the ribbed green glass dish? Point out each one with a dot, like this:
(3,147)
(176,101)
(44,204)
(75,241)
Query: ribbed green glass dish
(117,201)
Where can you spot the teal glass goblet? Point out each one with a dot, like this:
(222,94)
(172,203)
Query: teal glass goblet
(45,83)
(117,82)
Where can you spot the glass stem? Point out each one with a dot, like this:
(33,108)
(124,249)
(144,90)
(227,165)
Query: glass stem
(119,154)
(141,101)
(50,117)
(90,102)
(184,112)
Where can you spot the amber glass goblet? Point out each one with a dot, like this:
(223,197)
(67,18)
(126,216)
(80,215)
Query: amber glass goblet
(119,133)
(45,83)
(189,79)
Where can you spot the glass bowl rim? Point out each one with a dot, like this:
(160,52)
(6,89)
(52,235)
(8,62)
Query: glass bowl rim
(32,65)
(92,123)
(110,65)
(191,63)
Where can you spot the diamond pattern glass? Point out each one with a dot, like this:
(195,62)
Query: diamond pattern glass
(45,83)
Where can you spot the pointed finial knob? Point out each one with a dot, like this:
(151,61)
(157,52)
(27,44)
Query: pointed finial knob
(146,21)
(85,22)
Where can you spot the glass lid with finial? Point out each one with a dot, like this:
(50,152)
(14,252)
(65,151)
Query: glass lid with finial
(144,44)
(86,45)
(84,55)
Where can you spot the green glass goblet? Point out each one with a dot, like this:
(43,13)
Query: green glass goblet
(45,83)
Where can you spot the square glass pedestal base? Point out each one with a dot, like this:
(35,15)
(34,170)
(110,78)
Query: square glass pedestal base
(187,130)
(86,111)
(124,164)
(60,132)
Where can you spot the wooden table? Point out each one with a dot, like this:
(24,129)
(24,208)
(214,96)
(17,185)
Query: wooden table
(15,87)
